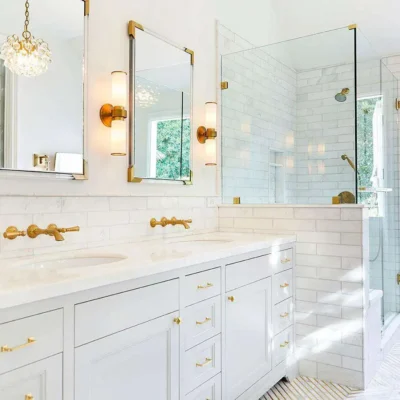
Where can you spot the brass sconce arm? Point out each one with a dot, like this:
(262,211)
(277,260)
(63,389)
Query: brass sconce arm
(52,230)
(204,133)
(173,221)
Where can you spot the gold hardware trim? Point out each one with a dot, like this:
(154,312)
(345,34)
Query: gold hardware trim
(85,175)
(335,200)
(29,397)
(224,85)
(86,12)
(12,233)
(285,344)
(178,320)
(173,221)
(398,279)
(203,322)
(191,52)
(190,182)
(353,26)
(285,315)
(286,261)
(236,200)
(285,285)
(232,299)
(208,361)
(131,175)
(204,133)
(40,160)
(397,104)
(132,26)
(52,230)
(110,113)
(6,349)
(209,285)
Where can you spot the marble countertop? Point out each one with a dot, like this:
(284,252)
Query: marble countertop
(26,280)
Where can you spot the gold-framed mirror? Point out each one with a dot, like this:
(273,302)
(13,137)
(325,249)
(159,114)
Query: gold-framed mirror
(42,87)
(160,108)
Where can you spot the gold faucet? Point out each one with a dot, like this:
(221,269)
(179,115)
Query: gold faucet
(12,233)
(52,230)
(173,221)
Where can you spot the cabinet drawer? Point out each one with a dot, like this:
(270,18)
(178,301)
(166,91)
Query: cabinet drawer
(245,272)
(211,390)
(30,339)
(42,380)
(202,286)
(202,363)
(283,315)
(281,260)
(283,346)
(103,317)
(282,286)
(201,322)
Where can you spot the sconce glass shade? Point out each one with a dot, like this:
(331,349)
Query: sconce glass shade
(211,152)
(119,88)
(118,138)
(211,115)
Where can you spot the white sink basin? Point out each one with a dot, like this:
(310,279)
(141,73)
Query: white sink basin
(78,262)
(201,242)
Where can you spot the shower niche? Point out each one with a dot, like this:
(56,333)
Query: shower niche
(276,176)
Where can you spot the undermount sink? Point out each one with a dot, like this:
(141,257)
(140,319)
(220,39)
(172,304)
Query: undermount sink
(201,242)
(78,262)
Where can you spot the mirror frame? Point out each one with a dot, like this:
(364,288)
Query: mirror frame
(132,26)
(18,173)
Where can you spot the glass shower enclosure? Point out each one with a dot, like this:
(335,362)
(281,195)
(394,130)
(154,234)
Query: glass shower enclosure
(313,121)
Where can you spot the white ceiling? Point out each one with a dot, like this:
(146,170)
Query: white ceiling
(62,19)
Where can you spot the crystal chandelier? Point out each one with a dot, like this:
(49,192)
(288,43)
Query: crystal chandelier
(26,56)
(146,94)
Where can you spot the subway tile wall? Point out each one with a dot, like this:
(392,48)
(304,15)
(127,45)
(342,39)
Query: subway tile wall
(330,290)
(103,220)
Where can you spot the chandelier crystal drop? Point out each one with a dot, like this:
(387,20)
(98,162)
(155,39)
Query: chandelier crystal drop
(146,94)
(26,56)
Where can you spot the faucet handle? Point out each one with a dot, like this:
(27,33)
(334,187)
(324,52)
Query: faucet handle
(72,229)
(12,233)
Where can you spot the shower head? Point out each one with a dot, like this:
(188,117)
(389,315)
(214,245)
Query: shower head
(342,96)
(344,157)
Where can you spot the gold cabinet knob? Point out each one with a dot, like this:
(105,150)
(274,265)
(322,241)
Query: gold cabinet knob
(29,397)
(231,299)
(178,320)
(285,285)
(12,233)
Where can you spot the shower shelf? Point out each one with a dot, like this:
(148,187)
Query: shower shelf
(276,165)
(374,190)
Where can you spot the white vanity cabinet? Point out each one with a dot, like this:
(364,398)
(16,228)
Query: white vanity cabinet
(137,363)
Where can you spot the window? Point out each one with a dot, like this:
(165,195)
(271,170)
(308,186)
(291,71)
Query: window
(170,152)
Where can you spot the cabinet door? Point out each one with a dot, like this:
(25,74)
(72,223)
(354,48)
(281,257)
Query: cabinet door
(138,363)
(41,380)
(248,342)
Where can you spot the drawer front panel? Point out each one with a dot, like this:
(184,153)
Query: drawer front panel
(202,363)
(211,390)
(103,317)
(245,272)
(201,322)
(43,380)
(283,316)
(282,287)
(281,260)
(283,346)
(30,339)
(201,286)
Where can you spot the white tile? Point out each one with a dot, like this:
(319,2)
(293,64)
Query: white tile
(81,204)
(162,203)
(308,368)
(110,218)
(318,261)
(339,250)
(352,363)
(306,272)
(239,212)
(351,239)
(306,295)
(339,226)
(294,225)
(306,248)
(349,214)
(252,223)
(317,213)
(318,284)
(318,237)
(340,375)
(127,203)
(29,205)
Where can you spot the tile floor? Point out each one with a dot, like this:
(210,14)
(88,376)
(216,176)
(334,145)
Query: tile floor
(385,386)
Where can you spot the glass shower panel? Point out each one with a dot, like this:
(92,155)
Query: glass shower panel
(288,121)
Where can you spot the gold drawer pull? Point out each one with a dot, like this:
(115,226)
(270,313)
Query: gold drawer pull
(209,285)
(284,315)
(285,285)
(286,261)
(231,298)
(29,397)
(203,322)
(285,344)
(178,320)
(6,349)
(208,361)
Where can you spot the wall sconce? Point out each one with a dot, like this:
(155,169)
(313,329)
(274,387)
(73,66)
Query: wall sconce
(113,116)
(208,135)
